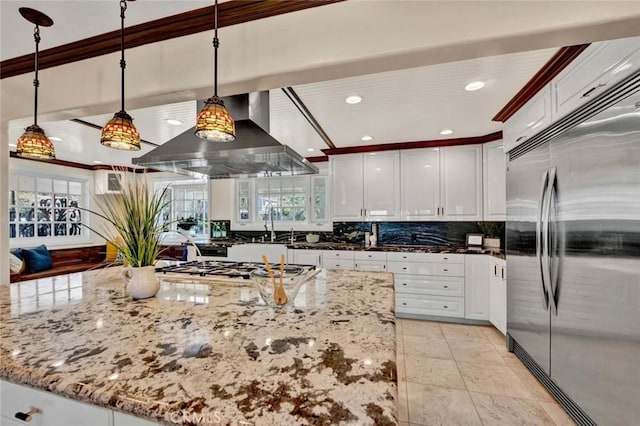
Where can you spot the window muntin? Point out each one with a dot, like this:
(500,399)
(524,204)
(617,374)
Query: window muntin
(189,208)
(44,208)
(284,198)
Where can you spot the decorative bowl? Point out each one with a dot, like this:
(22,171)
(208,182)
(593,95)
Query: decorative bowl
(268,286)
(313,238)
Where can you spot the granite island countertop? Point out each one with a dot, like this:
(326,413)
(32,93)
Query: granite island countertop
(209,349)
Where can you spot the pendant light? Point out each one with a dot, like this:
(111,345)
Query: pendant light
(214,122)
(119,132)
(34,143)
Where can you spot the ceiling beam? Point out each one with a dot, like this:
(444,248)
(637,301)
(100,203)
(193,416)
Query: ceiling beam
(75,165)
(229,13)
(295,99)
(411,145)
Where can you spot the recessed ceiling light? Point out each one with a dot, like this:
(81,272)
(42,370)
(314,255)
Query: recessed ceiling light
(366,138)
(446,132)
(173,121)
(310,149)
(474,85)
(97,162)
(353,99)
(55,139)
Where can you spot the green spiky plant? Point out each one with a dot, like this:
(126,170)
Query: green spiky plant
(135,216)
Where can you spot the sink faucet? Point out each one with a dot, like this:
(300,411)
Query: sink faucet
(270,212)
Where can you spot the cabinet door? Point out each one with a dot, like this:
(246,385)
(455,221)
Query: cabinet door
(319,200)
(306,257)
(494,180)
(346,187)
(502,292)
(243,201)
(461,182)
(476,287)
(370,265)
(494,293)
(420,184)
(382,185)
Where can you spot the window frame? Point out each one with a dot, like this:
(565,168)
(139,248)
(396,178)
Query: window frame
(174,185)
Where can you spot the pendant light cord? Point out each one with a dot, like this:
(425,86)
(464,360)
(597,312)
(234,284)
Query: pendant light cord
(36,82)
(216,44)
(123,64)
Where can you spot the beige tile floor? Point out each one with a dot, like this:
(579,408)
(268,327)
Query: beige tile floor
(455,374)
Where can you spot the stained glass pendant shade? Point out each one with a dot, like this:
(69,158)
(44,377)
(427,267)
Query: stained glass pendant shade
(214,122)
(34,142)
(119,132)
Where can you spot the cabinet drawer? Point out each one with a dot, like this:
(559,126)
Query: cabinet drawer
(337,254)
(370,255)
(442,269)
(56,410)
(425,257)
(347,264)
(370,265)
(599,67)
(430,305)
(443,286)
(531,119)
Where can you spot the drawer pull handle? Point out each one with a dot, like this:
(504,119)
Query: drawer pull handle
(26,417)
(404,303)
(404,257)
(404,269)
(404,283)
(593,89)
(445,286)
(446,270)
(446,307)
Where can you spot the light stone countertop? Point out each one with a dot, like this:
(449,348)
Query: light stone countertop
(208,351)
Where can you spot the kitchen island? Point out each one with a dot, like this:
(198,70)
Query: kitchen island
(207,353)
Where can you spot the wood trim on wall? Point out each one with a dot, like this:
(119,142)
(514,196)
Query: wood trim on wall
(552,68)
(194,21)
(412,145)
(318,159)
(73,164)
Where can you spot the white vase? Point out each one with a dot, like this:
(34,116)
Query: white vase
(141,281)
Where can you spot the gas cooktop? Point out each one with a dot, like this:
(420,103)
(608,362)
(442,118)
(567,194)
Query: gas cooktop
(223,269)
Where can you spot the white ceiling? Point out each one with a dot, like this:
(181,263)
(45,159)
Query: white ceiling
(398,106)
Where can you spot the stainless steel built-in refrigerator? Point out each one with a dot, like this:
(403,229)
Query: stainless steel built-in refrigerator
(573,256)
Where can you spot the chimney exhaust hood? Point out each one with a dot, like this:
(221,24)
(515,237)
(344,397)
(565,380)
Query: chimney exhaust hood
(254,153)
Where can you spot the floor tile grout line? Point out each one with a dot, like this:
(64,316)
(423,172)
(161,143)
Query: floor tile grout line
(467,388)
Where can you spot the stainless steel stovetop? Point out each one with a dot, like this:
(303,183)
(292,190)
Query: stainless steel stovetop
(216,269)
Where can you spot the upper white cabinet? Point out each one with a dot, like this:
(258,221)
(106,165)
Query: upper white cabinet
(420,184)
(320,208)
(442,183)
(461,182)
(494,180)
(529,120)
(599,67)
(366,186)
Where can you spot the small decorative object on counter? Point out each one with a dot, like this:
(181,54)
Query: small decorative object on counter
(313,238)
(141,282)
(279,288)
(373,239)
(491,232)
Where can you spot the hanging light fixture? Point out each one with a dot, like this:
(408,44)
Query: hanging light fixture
(34,143)
(119,132)
(214,122)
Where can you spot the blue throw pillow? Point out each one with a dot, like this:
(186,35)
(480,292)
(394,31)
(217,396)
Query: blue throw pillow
(37,259)
(17,253)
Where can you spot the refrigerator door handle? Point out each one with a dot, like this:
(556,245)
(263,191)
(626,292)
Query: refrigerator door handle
(546,239)
(552,240)
(540,239)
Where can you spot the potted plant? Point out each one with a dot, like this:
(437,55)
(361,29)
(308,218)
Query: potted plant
(134,225)
(491,231)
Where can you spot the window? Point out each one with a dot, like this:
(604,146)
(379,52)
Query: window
(45,207)
(284,198)
(189,208)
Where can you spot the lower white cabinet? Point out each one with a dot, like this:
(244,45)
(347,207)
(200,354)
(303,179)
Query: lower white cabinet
(53,410)
(305,257)
(375,261)
(338,259)
(476,293)
(441,306)
(498,294)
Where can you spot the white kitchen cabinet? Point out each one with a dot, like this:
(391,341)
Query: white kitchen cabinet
(305,257)
(498,293)
(54,410)
(461,182)
(121,419)
(366,186)
(253,252)
(494,180)
(338,259)
(319,200)
(533,117)
(442,183)
(598,67)
(476,294)
(420,184)
(428,284)
(370,261)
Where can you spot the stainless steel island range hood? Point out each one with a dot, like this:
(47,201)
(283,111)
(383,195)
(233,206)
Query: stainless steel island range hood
(254,153)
